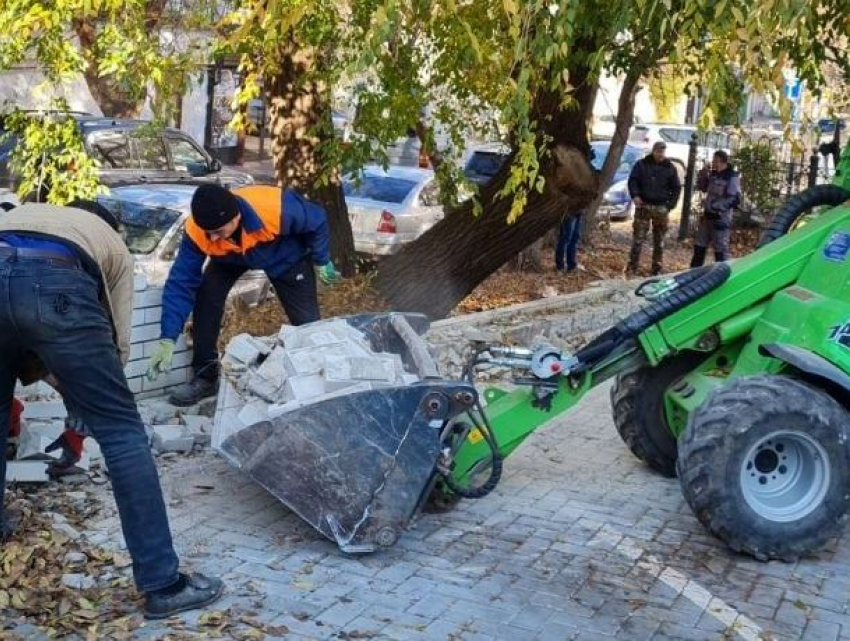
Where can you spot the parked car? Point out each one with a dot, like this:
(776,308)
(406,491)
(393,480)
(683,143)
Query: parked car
(153,216)
(678,138)
(133,151)
(485,161)
(8,199)
(389,208)
(616,202)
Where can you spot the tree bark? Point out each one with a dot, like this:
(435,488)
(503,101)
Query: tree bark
(443,266)
(623,124)
(297,106)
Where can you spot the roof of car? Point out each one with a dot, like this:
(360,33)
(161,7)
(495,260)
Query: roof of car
(416,174)
(98,123)
(171,195)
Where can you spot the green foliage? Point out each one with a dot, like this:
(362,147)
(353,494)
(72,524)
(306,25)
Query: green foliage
(50,158)
(759,171)
(666,90)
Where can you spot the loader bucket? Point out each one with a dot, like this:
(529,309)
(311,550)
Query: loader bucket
(358,466)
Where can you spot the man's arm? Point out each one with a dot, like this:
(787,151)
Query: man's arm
(675,187)
(634,181)
(183,281)
(309,221)
(121,296)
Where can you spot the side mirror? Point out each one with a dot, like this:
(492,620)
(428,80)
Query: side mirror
(215,165)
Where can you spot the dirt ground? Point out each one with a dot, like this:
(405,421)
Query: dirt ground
(606,259)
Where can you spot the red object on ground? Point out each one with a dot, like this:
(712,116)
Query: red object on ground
(15,420)
(75,442)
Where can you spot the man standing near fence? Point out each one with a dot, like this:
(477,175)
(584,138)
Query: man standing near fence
(654,186)
(722,188)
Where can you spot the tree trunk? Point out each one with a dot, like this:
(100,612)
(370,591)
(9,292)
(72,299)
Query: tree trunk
(296,106)
(113,101)
(623,124)
(443,266)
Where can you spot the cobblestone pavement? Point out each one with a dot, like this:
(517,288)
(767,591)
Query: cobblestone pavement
(579,541)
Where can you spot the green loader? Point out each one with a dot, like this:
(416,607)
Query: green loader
(733,377)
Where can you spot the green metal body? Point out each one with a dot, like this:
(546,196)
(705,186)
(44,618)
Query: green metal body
(795,291)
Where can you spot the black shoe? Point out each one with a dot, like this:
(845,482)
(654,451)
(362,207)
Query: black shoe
(657,271)
(199,591)
(193,392)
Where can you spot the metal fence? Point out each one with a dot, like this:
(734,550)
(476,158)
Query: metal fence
(771,169)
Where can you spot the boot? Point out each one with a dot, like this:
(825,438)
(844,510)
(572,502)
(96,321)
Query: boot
(193,392)
(699,256)
(720,257)
(197,591)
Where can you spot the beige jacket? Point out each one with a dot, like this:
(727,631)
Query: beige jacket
(100,242)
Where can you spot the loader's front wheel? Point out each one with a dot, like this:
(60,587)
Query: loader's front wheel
(765,466)
(637,399)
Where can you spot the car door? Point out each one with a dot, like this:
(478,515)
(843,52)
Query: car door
(112,149)
(154,162)
(186,157)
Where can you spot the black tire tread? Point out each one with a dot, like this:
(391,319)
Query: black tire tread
(720,416)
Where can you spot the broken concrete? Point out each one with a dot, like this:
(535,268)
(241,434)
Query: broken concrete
(26,472)
(171,438)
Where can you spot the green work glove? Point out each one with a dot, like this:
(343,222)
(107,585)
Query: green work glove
(328,274)
(161,360)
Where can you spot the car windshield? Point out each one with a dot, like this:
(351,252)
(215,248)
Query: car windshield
(386,189)
(485,163)
(630,157)
(145,226)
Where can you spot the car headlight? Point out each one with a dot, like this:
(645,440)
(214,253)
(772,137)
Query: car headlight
(618,193)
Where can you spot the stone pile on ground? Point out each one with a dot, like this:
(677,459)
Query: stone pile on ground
(267,377)
(169,429)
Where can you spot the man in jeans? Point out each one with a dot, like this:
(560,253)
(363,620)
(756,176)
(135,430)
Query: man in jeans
(66,286)
(257,227)
(722,188)
(654,186)
(569,236)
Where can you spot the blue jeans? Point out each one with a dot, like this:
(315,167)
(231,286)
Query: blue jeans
(568,238)
(53,310)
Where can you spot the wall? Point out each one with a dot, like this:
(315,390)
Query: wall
(147,310)
(22,87)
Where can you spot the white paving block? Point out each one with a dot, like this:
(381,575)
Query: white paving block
(26,472)
(253,413)
(246,348)
(44,410)
(376,368)
(172,438)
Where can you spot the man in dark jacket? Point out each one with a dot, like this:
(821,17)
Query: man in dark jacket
(654,187)
(257,227)
(722,189)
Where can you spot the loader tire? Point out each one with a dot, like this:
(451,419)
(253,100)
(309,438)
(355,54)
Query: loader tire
(637,400)
(765,465)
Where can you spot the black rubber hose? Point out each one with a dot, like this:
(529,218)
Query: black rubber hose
(495,464)
(695,284)
(784,219)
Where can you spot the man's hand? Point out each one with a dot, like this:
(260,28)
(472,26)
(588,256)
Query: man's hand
(161,360)
(638,201)
(328,274)
(71,444)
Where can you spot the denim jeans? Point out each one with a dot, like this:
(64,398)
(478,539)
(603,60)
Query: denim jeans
(568,237)
(295,289)
(54,311)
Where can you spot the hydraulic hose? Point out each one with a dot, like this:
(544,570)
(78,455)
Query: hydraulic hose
(693,285)
(795,207)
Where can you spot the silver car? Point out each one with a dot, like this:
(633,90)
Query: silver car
(389,208)
(153,216)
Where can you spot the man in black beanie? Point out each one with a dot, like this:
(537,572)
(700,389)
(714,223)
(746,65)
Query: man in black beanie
(257,227)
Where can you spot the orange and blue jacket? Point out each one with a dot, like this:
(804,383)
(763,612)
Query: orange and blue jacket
(279,230)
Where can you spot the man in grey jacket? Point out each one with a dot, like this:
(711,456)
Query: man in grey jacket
(66,282)
(722,188)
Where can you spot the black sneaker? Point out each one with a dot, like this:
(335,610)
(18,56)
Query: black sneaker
(198,591)
(193,392)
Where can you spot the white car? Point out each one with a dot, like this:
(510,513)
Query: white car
(389,208)
(153,216)
(678,138)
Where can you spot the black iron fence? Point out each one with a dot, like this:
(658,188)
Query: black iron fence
(771,169)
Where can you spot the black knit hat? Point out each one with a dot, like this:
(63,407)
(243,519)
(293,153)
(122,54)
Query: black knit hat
(213,207)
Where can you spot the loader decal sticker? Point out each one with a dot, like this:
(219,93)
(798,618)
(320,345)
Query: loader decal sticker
(840,334)
(838,246)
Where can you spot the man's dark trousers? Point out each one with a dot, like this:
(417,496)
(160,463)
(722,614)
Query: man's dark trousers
(53,310)
(296,290)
